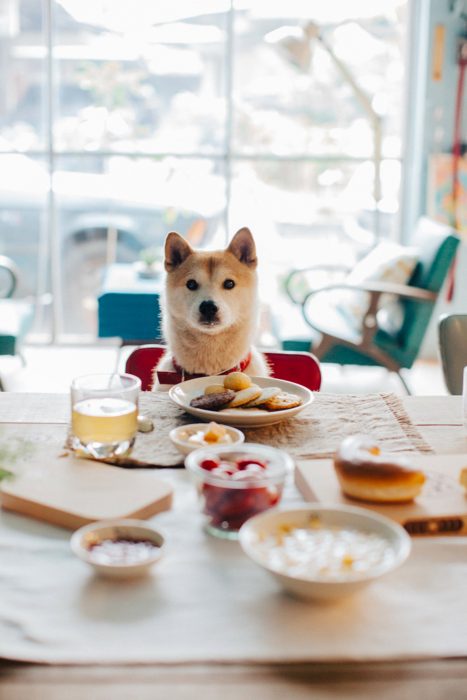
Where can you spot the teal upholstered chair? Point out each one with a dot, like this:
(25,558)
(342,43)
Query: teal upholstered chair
(333,339)
(16,315)
(128,306)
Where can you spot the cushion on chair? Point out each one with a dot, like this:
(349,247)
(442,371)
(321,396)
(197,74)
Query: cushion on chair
(387,262)
(340,312)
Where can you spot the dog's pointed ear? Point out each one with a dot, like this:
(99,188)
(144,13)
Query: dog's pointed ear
(243,247)
(176,251)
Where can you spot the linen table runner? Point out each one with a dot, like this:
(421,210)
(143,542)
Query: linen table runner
(314,433)
(207,602)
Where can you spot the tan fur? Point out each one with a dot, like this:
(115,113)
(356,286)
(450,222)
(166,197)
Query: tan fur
(211,349)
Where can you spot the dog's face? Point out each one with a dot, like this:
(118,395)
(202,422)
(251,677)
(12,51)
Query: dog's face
(211,290)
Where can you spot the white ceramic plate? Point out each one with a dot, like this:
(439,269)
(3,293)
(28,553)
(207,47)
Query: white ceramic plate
(183,393)
(253,533)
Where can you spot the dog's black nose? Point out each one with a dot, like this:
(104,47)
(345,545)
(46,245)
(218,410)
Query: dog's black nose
(208,310)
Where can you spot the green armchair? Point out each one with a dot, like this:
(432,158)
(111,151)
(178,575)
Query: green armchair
(16,315)
(334,339)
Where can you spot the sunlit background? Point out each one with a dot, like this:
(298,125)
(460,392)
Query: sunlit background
(121,121)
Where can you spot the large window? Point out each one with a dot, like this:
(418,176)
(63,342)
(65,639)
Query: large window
(120,121)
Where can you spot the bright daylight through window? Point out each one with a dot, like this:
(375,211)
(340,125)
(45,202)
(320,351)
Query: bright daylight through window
(121,121)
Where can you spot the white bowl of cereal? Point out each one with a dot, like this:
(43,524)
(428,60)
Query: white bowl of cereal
(187,438)
(325,553)
(241,407)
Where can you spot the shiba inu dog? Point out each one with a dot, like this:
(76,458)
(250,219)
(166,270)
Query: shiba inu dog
(210,310)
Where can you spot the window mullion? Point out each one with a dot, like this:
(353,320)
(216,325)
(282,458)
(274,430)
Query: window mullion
(54,242)
(229,116)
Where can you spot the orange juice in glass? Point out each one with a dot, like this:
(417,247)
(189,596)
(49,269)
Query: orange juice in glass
(104,411)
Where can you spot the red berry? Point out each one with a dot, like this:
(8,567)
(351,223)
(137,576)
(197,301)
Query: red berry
(274,496)
(209,464)
(244,463)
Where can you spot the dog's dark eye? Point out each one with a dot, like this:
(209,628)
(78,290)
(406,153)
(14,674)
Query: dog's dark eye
(229,284)
(192,285)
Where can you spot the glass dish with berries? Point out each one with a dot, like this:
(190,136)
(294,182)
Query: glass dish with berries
(236,483)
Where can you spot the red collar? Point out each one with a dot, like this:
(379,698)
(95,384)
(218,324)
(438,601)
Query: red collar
(181,376)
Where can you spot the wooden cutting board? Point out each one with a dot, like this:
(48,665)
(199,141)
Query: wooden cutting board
(72,492)
(441,508)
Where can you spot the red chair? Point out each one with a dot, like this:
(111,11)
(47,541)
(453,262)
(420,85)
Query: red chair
(299,367)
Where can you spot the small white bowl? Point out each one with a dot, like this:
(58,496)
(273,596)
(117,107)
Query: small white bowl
(95,533)
(185,447)
(254,532)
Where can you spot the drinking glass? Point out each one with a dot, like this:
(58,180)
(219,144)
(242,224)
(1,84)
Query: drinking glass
(104,412)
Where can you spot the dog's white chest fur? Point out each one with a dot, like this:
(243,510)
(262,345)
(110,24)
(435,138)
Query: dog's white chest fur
(257,366)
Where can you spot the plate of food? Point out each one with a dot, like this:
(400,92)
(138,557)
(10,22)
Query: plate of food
(239,400)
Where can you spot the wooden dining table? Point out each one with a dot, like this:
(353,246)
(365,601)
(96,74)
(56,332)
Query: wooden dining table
(438,418)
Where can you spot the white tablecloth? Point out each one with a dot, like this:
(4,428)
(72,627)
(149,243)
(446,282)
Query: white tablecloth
(206,601)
